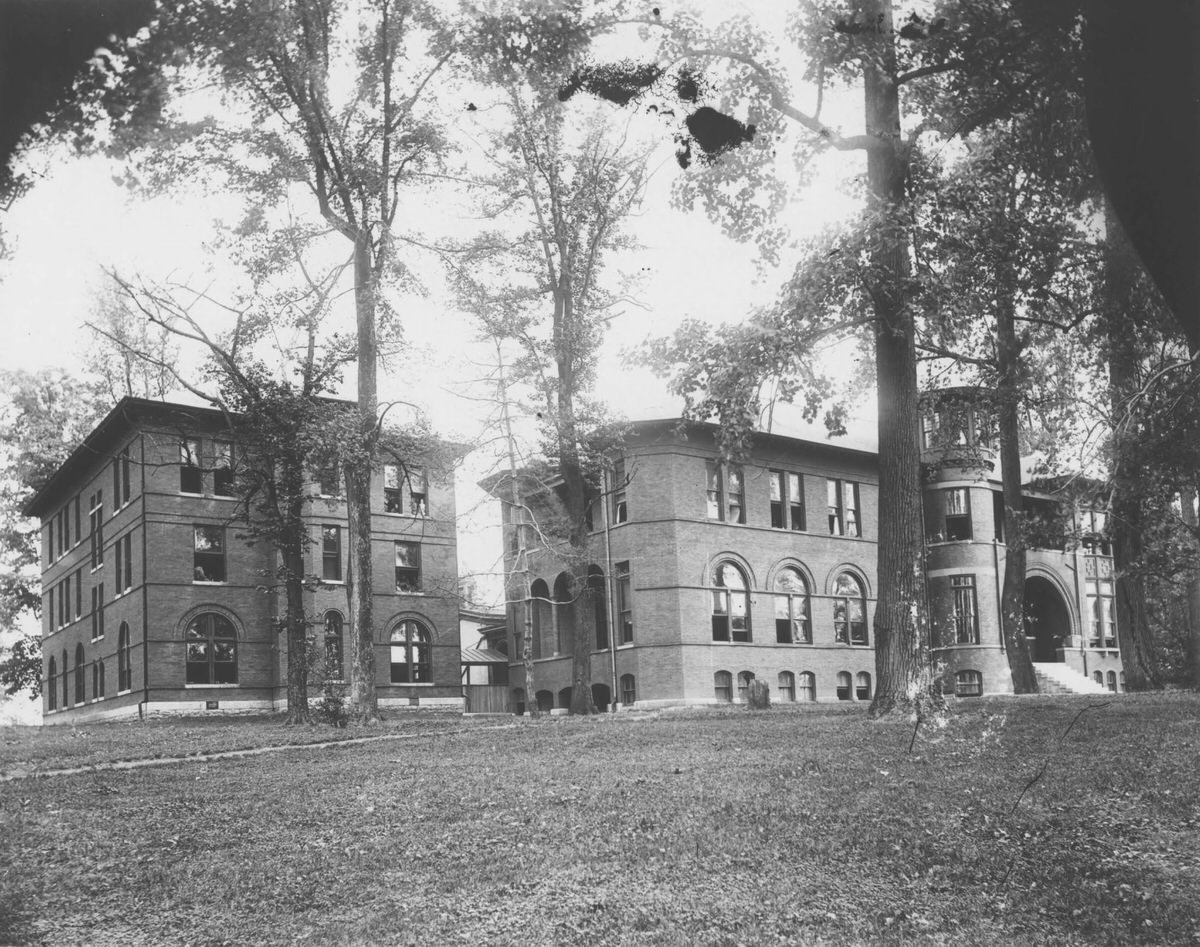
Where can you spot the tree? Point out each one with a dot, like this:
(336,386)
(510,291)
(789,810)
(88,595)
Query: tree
(322,99)
(47,414)
(283,430)
(572,186)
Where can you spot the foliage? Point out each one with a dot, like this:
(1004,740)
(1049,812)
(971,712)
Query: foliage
(21,667)
(47,415)
(728,829)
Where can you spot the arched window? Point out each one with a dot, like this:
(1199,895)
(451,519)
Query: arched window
(808,686)
(723,686)
(564,698)
(1121,682)
(543,621)
(787,686)
(792,624)
(545,701)
(744,679)
(98,684)
(211,650)
(843,685)
(518,699)
(124,668)
(849,610)
(730,603)
(80,675)
(334,653)
(1098,677)
(411,659)
(628,690)
(66,682)
(596,590)
(52,685)
(1112,681)
(862,685)
(968,684)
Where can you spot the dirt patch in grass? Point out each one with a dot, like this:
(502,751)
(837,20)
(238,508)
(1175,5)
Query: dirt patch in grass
(807,827)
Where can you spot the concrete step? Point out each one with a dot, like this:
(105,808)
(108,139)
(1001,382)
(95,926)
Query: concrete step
(1056,678)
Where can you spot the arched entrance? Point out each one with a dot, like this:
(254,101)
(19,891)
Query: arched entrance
(1047,621)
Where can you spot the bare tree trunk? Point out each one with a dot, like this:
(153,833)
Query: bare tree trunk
(902,658)
(1012,596)
(1188,503)
(297,634)
(359,466)
(1135,636)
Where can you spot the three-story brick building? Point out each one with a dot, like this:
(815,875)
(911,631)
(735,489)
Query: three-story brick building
(152,603)
(703,575)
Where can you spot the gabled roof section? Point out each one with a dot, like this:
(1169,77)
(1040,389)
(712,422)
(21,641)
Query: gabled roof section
(127,416)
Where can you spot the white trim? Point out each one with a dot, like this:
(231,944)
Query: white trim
(444,703)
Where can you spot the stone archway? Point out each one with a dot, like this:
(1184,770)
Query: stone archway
(1047,619)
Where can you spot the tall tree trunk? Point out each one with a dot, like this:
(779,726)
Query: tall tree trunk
(1187,501)
(902,657)
(1135,635)
(364,701)
(1012,596)
(571,471)
(297,629)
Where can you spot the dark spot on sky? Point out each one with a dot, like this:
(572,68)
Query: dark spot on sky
(656,12)
(619,82)
(715,132)
(472,107)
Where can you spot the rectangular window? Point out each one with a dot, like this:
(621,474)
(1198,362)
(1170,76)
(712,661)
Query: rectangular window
(50,609)
(100,611)
(50,528)
(191,477)
(124,550)
(843,501)
(331,553)
(64,596)
(329,481)
(1101,612)
(998,515)
(78,522)
(726,492)
(208,555)
(966,611)
(787,500)
(418,492)
(121,490)
(222,468)
(620,506)
(64,538)
(95,613)
(391,489)
(1093,529)
(96,525)
(624,603)
(79,594)
(958,513)
(408,567)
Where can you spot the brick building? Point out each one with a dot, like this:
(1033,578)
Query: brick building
(707,574)
(153,604)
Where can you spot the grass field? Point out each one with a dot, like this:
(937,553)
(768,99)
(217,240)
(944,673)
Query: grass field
(806,825)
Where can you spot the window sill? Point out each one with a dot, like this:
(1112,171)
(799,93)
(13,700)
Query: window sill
(128,690)
(333,581)
(209,582)
(407,516)
(206,686)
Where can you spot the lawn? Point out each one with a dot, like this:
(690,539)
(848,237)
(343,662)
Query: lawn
(805,825)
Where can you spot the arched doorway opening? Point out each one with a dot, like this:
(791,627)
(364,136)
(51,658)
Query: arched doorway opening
(1047,621)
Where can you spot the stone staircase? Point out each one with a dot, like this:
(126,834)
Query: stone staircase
(1056,678)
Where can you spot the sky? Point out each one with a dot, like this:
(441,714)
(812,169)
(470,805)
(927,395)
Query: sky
(78,221)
